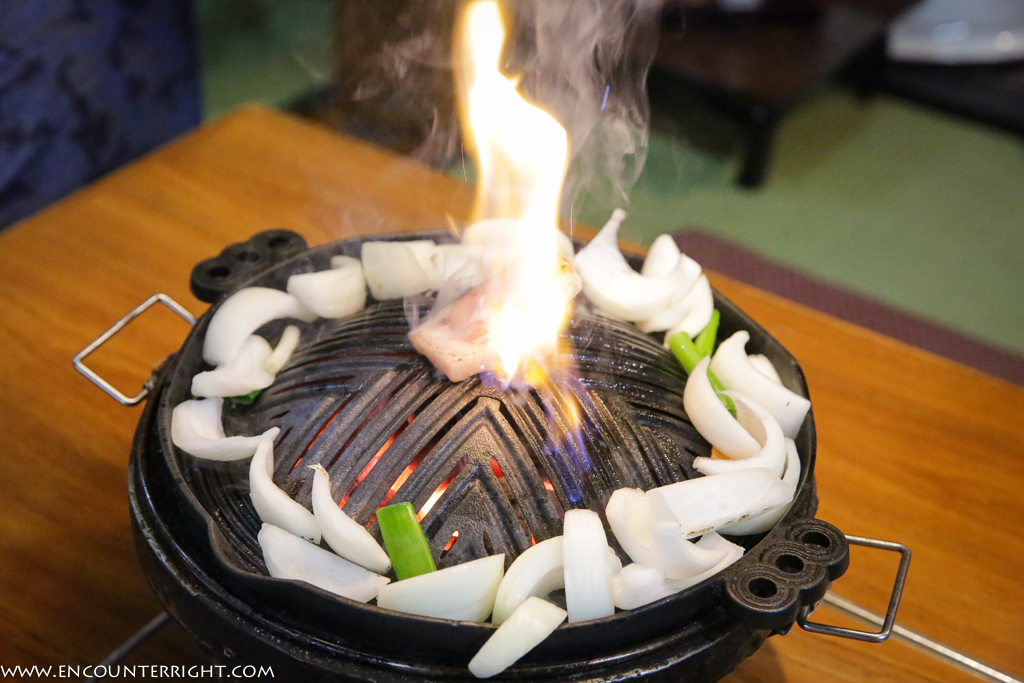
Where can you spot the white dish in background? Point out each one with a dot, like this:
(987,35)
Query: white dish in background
(959,32)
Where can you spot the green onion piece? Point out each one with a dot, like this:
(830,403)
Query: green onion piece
(685,351)
(716,384)
(705,341)
(246,399)
(405,541)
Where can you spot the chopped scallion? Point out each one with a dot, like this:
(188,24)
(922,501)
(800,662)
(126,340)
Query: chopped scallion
(705,341)
(685,351)
(405,541)
(246,399)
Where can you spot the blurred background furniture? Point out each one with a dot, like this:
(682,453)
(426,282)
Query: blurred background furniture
(965,58)
(86,87)
(756,65)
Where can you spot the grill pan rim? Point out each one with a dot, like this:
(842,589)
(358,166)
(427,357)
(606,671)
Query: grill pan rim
(763,342)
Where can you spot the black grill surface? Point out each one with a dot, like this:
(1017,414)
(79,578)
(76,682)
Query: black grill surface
(492,465)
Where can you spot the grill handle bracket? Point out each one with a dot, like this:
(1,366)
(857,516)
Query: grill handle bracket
(79,360)
(803,619)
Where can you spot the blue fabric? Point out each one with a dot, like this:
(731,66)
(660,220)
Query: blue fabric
(86,85)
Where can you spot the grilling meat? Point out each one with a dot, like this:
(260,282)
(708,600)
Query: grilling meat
(458,338)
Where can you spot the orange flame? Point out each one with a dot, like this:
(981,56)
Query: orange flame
(521,153)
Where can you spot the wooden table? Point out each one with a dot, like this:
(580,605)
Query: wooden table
(912,447)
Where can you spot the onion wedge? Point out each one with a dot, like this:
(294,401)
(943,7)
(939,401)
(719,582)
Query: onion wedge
(638,585)
(766,521)
(243,313)
(588,574)
(347,538)
(397,269)
(243,374)
(283,351)
(706,503)
(290,557)
(536,572)
(654,542)
(761,362)
(712,419)
(756,420)
(196,429)
(525,629)
(464,592)
(618,290)
(273,505)
(334,293)
(662,257)
(700,305)
(732,366)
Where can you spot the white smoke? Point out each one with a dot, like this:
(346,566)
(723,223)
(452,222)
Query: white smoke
(585,61)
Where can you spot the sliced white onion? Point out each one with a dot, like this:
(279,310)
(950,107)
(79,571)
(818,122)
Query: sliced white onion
(525,629)
(761,362)
(243,313)
(458,260)
(618,290)
(712,419)
(397,269)
(273,505)
(290,557)
(662,257)
(680,304)
(700,305)
(536,572)
(588,575)
(732,366)
(460,268)
(243,374)
(464,592)
(756,420)
(654,542)
(334,293)
(638,585)
(196,429)
(283,351)
(766,521)
(346,537)
(706,503)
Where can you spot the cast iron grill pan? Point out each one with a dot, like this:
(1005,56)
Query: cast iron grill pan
(359,400)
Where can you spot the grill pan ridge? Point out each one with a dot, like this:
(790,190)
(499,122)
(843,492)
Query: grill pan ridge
(357,398)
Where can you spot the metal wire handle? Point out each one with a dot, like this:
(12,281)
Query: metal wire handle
(103,384)
(894,599)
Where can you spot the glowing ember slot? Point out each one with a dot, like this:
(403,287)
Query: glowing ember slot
(496,468)
(439,491)
(449,544)
(402,478)
(366,470)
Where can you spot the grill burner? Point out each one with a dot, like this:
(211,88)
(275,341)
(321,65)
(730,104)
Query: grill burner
(481,467)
